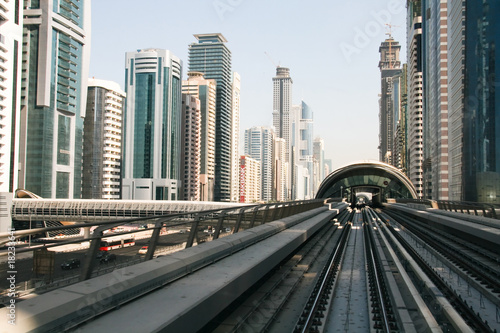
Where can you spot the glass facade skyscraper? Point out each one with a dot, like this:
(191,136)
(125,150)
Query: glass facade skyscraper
(211,57)
(55,63)
(259,146)
(474,105)
(152,125)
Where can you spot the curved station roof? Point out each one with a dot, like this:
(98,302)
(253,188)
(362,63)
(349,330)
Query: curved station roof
(382,181)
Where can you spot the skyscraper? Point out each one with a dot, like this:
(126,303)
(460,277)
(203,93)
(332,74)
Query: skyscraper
(204,89)
(318,163)
(190,148)
(235,136)
(259,146)
(415,102)
(432,14)
(279,171)
(301,138)
(10,92)
(211,57)
(282,104)
(152,125)
(56,58)
(474,100)
(389,65)
(11,41)
(102,141)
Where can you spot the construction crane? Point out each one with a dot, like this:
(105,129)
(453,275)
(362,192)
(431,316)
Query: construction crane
(271,60)
(392,59)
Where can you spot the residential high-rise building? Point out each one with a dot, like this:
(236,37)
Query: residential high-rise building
(279,171)
(474,100)
(56,55)
(151,146)
(249,180)
(211,57)
(259,146)
(318,163)
(11,43)
(389,65)
(400,100)
(102,141)
(282,104)
(204,89)
(235,137)
(190,148)
(432,15)
(301,138)
(415,101)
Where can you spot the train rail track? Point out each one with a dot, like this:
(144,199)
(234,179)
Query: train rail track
(472,318)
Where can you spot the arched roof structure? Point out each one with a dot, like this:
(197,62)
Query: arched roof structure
(381,179)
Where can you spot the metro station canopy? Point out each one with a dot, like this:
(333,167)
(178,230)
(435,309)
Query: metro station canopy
(380,180)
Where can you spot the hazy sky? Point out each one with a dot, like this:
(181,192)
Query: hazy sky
(331,48)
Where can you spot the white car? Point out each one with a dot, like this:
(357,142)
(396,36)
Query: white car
(143,250)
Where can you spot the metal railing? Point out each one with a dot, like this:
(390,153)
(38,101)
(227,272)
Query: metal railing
(236,218)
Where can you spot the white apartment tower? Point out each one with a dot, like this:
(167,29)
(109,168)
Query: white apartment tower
(11,41)
(102,141)
(235,128)
(249,180)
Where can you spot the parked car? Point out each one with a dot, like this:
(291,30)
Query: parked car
(101,254)
(143,250)
(108,258)
(71,263)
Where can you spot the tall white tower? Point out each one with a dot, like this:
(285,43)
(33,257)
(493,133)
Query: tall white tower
(282,103)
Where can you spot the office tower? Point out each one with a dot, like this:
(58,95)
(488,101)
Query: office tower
(415,101)
(204,89)
(235,137)
(318,163)
(249,180)
(211,57)
(474,100)
(56,54)
(259,146)
(433,17)
(279,171)
(151,146)
(282,104)
(190,148)
(301,138)
(389,65)
(102,141)
(10,92)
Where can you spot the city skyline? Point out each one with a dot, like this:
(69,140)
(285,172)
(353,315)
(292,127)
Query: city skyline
(319,49)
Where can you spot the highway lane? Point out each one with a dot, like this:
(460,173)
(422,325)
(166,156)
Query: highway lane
(24,261)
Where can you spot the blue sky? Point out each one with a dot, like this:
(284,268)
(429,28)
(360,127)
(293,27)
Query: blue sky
(331,48)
